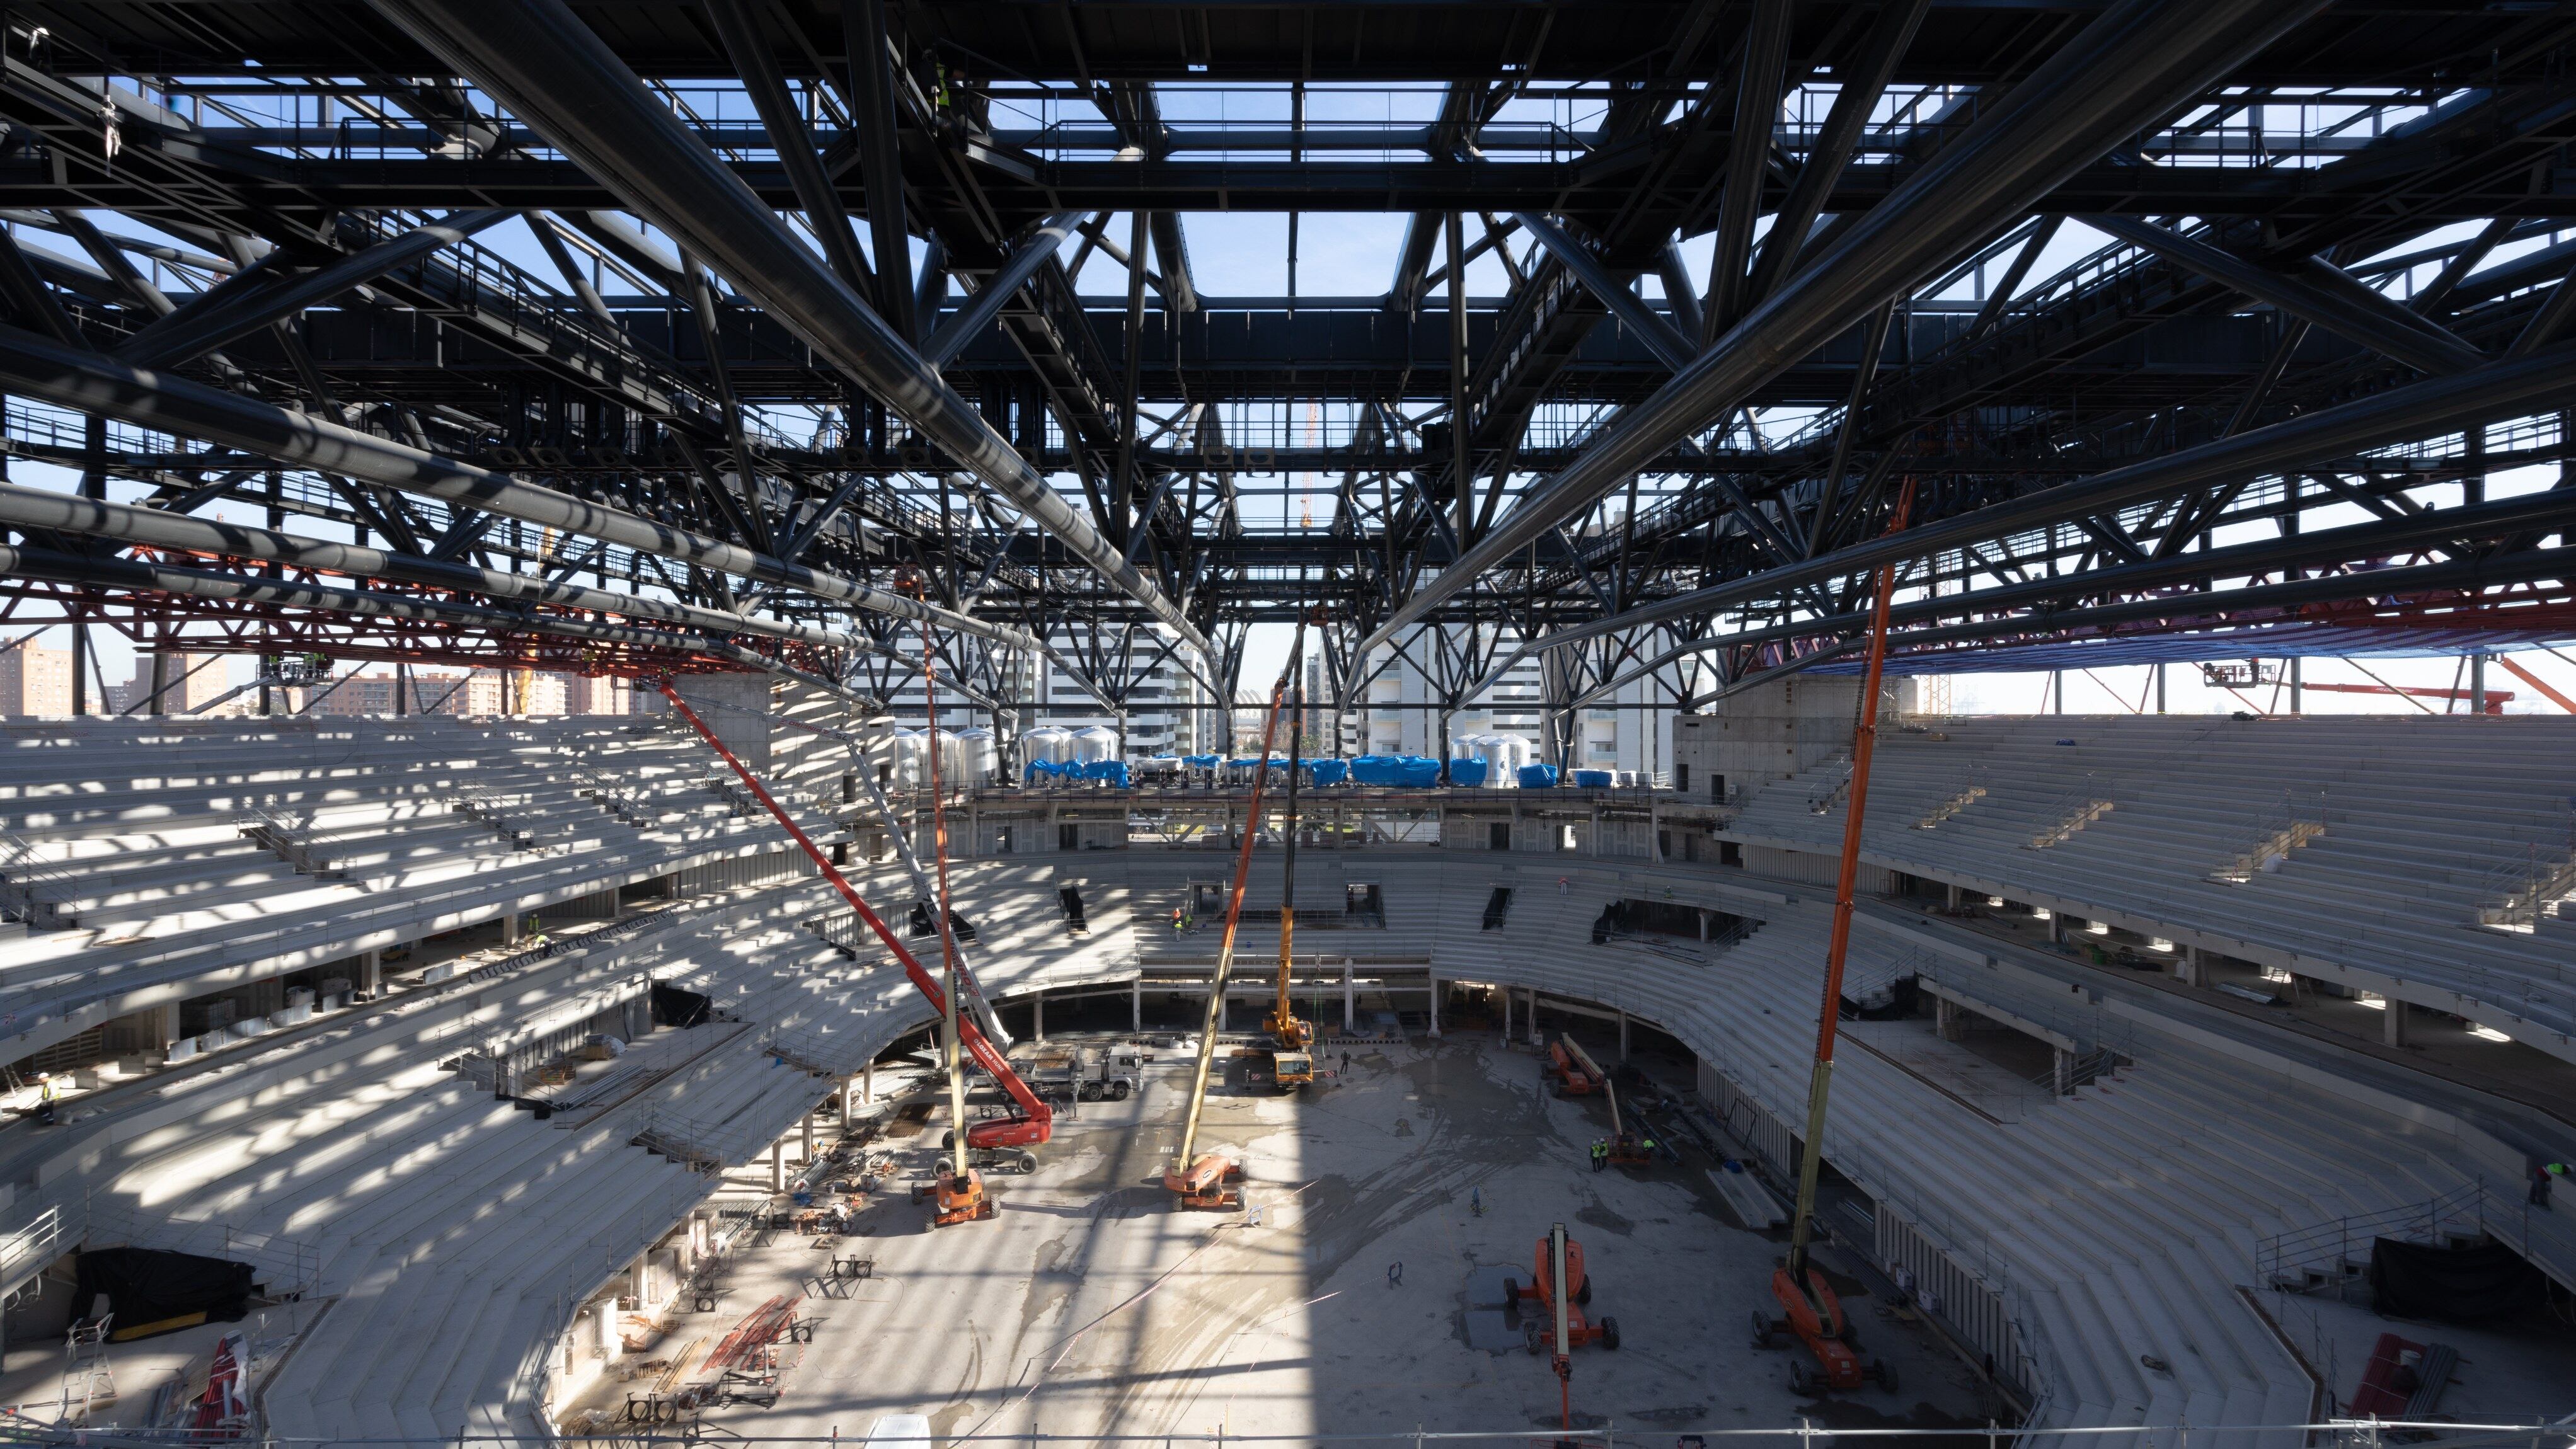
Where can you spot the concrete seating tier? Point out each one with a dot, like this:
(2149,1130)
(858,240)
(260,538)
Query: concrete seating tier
(133,836)
(2426,823)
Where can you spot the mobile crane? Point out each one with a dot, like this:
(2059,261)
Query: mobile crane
(1204,1180)
(1033,1121)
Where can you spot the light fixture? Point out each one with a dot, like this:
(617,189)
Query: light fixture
(2159,943)
(2039,913)
(2375,1003)
(2487,1032)
(2098,928)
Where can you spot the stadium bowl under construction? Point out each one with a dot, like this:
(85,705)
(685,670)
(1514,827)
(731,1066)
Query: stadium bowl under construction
(1551,726)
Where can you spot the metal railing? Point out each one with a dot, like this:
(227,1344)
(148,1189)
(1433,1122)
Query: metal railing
(2322,1255)
(2299,818)
(2523,893)
(33,889)
(292,843)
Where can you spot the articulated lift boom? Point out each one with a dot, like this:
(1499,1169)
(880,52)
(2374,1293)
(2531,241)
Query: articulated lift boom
(1034,1122)
(1815,1315)
(1200,1181)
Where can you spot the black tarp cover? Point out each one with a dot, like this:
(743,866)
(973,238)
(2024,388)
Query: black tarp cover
(147,1285)
(675,1007)
(2458,1285)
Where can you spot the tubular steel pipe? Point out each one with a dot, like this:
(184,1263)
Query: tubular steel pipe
(159,578)
(554,72)
(2139,60)
(93,383)
(2502,389)
(951,336)
(32,508)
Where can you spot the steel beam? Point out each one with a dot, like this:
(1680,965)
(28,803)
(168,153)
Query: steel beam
(1860,86)
(92,383)
(2498,390)
(2312,289)
(1624,303)
(2135,63)
(33,508)
(553,71)
(1748,161)
(738,27)
(192,332)
(863,31)
(952,335)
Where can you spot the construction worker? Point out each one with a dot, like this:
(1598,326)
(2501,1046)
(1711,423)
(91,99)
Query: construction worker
(2541,1179)
(48,1092)
(1600,1155)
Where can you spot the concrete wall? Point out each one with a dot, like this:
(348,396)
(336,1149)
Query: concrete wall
(1773,731)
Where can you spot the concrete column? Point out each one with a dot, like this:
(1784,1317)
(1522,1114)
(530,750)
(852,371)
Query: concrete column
(1945,1018)
(868,1085)
(510,929)
(371,972)
(2478,683)
(1037,1011)
(1435,1008)
(609,1346)
(1951,895)
(1136,1004)
(637,1275)
(809,1134)
(1703,927)
(1623,1034)
(2393,1030)
(2189,965)
(778,1165)
(1350,1007)
(849,1101)
(1535,1037)
(2061,1070)
(1507,1013)
(2056,928)
(165,1020)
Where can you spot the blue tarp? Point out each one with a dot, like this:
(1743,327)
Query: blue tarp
(1538,777)
(1594,779)
(1202,762)
(1113,771)
(1039,770)
(1328,772)
(1467,774)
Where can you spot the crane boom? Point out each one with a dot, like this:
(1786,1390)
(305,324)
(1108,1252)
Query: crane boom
(1036,1120)
(1181,1163)
(1291,1034)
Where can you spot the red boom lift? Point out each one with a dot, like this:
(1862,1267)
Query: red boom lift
(1034,1121)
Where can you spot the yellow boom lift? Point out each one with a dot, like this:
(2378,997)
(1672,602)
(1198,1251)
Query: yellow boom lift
(1202,1180)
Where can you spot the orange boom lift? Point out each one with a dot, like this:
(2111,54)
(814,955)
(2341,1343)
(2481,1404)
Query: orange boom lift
(1813,1312)
(1293,1040)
